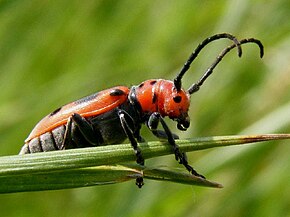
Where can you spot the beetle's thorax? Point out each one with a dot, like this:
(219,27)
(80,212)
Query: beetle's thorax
(158,95)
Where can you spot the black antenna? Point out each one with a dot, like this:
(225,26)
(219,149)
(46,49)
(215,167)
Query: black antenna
(195,87)
(177,80)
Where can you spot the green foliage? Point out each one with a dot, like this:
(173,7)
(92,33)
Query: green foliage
(53,52)
(90,166)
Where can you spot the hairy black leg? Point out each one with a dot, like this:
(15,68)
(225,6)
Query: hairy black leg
(181,157)
(137,135)
(85,128)
(124,119)
(129,132)
(67,143)
(153,123)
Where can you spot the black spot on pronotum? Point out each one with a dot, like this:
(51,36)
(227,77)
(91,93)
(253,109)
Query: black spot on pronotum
(177,99)
(154,98)
(153,82)
(55,111)
(117,92)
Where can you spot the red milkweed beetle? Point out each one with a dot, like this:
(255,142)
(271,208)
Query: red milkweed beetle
(110,116)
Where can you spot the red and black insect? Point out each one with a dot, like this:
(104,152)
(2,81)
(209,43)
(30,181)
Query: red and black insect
(110,116)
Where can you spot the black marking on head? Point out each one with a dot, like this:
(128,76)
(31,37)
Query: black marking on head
(117,92)
(55,111)
(154,98)
(153,82)
(177,99)
(141,85)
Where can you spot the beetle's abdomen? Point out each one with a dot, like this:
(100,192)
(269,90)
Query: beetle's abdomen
(48,141)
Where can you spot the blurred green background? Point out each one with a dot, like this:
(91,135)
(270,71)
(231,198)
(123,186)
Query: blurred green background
(54,52)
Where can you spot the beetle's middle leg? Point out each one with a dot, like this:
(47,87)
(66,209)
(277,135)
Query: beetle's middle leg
(130,134)
(125,119)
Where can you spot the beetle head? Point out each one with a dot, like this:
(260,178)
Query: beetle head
(174,104)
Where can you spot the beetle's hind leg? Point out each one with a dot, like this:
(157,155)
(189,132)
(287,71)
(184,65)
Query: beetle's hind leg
(80,132)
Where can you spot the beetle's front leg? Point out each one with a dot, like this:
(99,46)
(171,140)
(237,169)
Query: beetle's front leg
(152,123)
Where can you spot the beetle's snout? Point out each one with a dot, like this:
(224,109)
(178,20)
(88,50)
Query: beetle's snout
(183,123)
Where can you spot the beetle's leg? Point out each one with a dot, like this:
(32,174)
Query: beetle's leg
(66,144)
(124,119)
(85,128)
(179,156)
(137,135)
(130,134)
(153,123)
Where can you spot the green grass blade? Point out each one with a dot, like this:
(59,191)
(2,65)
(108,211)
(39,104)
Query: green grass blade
(178,177)
(100,175)
(77,168)
(64,179)
(115,154)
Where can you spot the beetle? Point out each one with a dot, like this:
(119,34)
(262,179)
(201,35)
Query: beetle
(113,115)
